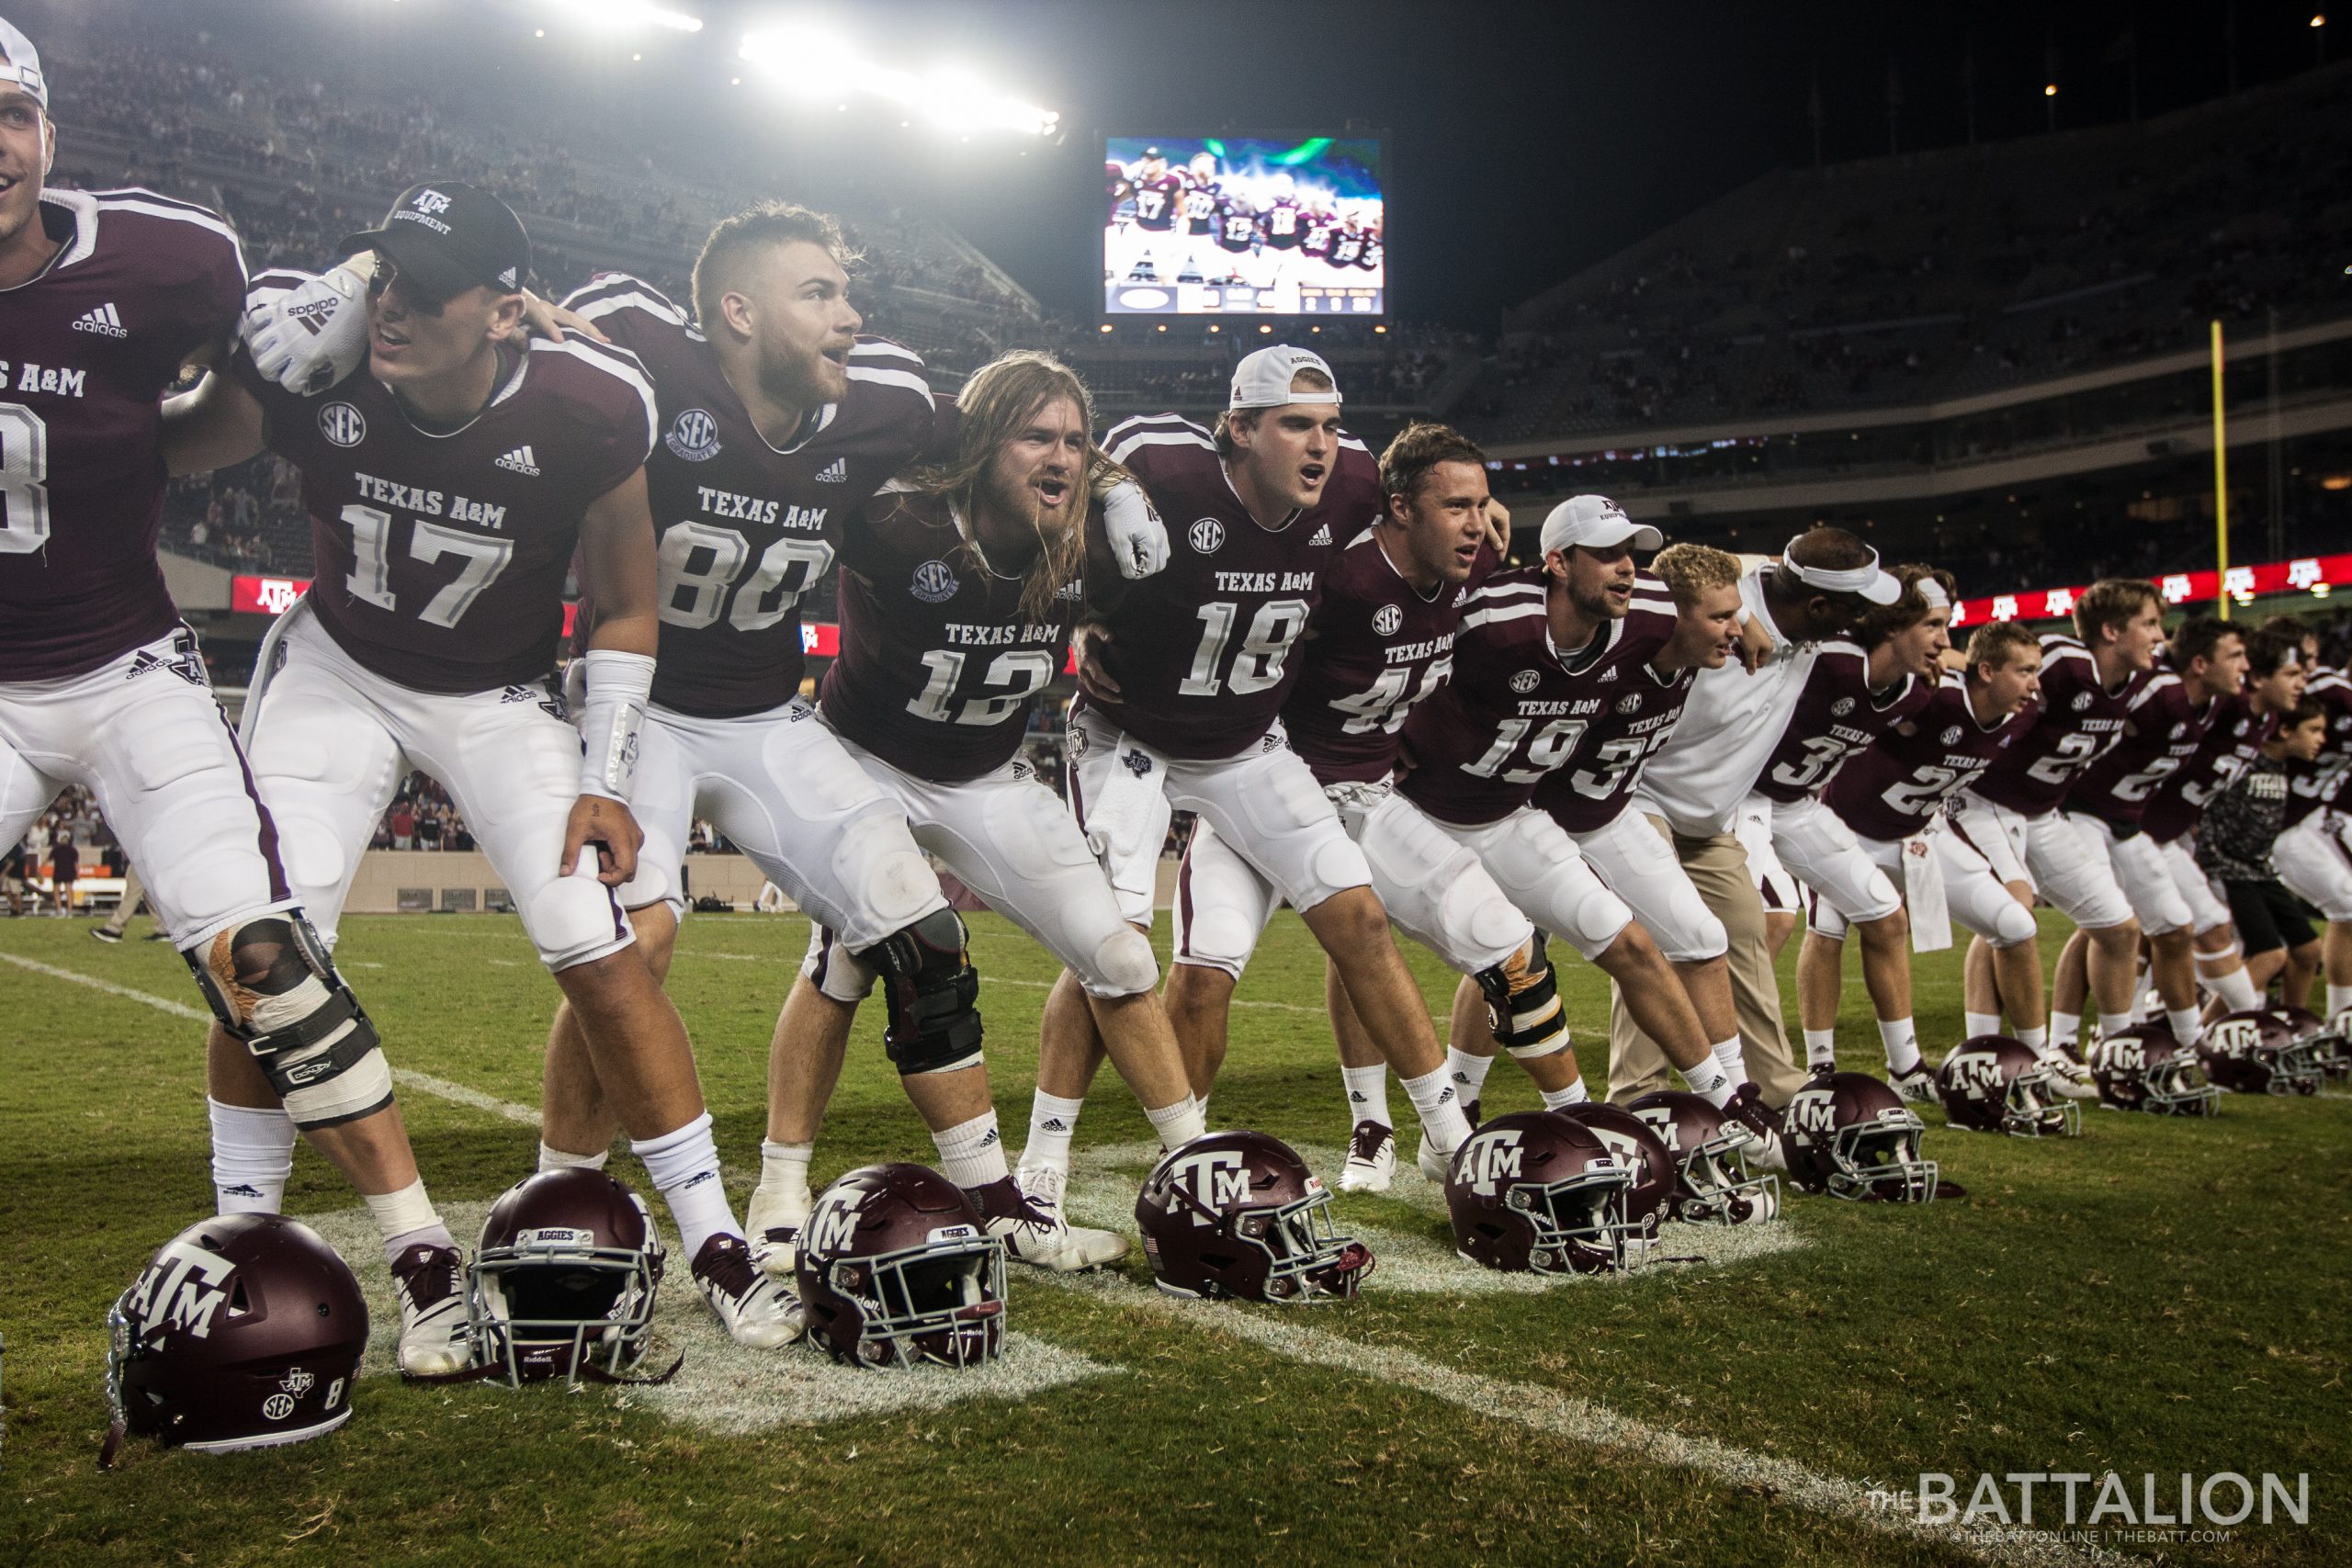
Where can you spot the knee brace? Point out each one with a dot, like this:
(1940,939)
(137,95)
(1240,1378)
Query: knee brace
(272,985)
(932,993)
(1523,1003)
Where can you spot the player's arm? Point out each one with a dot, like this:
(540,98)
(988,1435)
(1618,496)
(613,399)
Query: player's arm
(620,570)
(215,425)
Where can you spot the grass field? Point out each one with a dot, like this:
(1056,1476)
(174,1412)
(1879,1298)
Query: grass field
(2159,1296)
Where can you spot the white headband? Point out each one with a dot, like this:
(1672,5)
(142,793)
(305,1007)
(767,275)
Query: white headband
(1933,592)
(1847,580)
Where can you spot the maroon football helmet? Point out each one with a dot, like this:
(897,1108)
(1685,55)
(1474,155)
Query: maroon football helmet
(1847,1135)
(2145,1068)
(2322,1044)
(1711,1185)
(1635,1143)
(898,1271)
(1990,1083)
(562,1284)
(2256,1053)
(243,1331)
(1240,1215)
(1536,1192)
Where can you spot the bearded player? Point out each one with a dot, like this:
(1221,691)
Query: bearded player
(450,481)
(958,593)
(1182,683)
(106,688)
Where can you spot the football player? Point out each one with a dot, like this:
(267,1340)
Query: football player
(1149,243)
(1542,651)
(958,593)
(1380,638)
(451,479)
(2237,842)
(2202,674)
(103,296)
(1179,706)
(2313,858)
(2010,816)
(1856,692)
(1694,788)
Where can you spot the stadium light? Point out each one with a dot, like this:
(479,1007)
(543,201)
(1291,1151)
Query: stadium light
(616,16)
(812,61)
(2050,90)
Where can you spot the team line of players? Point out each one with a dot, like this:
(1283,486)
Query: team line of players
(1319,653)
(1165,224)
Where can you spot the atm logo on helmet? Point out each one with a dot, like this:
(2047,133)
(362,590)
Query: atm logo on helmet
(1492,1159)
(1216,1179)
(1813,1112)
(1976,1072)
(2234,1036)
(833,1225)
(182,1289)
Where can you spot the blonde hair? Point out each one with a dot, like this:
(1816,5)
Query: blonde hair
(1691,569)
(998,399)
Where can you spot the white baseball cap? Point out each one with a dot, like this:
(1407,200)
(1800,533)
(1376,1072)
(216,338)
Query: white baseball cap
(22,66)
(1598,523)
(1872,585)
(1262,379)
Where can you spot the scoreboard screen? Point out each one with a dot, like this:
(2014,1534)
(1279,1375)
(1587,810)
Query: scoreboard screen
(1243,226)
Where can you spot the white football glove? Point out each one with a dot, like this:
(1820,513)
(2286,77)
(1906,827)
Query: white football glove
(306,331)
(1138,540)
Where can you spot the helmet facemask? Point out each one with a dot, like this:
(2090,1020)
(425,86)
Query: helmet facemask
(1716,1187)
(556,1305)
(2032,1108)
(1880,1158)
(1580,1222)
(1307,1257)
(941,1303)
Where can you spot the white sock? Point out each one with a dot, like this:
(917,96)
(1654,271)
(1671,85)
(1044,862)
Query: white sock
(406,1219)
(552,1159)
(2111,1023)
(2065,1027)
(252,1153)
(684,1167)
(1708,1080)
(1177,1124)
(1728,1057)
(2184,1025)
(1820,1047)
(1368,1094)
(2236,990)
(2338,997)
(1557,1099)
(2035,1040)
(1439,1103)
(971,1154)
(1902,1043)
(1978,1023)
(784,1174)
(1468,1072)
(1052,1121)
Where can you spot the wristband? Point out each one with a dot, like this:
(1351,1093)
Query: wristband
(619,687)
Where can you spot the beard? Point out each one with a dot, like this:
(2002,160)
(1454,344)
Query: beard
(793,380)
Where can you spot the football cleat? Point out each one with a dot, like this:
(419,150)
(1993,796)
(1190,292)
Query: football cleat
(1917,1087)
(2069,1075)
(1756,1129)
(429,1283)
(107,934)
(1032,1227)
(775,1226)
(1434,1163)
(1372,1158)
(756,1311)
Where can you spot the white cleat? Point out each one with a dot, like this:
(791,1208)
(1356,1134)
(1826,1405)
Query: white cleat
(1434,1162)
(1917,1087)
(1756,1128)
(1029,1220)
(775,1226)
(2070,1076)
(1372,1158)
(428,1281)
(758,1312)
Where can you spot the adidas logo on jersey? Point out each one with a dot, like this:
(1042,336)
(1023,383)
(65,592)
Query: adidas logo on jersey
(1609,675)
(834,473)
(103,320)
(1322,536)
(520,460)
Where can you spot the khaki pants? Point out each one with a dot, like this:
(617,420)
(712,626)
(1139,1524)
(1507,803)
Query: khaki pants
(1717,867)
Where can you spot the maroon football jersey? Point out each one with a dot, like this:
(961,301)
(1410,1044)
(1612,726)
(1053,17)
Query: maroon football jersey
(938,667)
(1200,207)
(1283,221)
(1201,650)
(1236,227)
(441,558)
(747,529)
(1516,709)
(2162,730)
(1320,228)
(1836,715)
(1589,790)
(1893,788)
(1375,647)
(1370,259)
(1156,200)
(2232,738)
(2321,782)
(1346,246)
(1115,188)
(2079,719)
(87,347)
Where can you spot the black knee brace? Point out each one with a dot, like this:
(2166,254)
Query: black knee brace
(302,1055)
(932,993)
(1524,1003)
